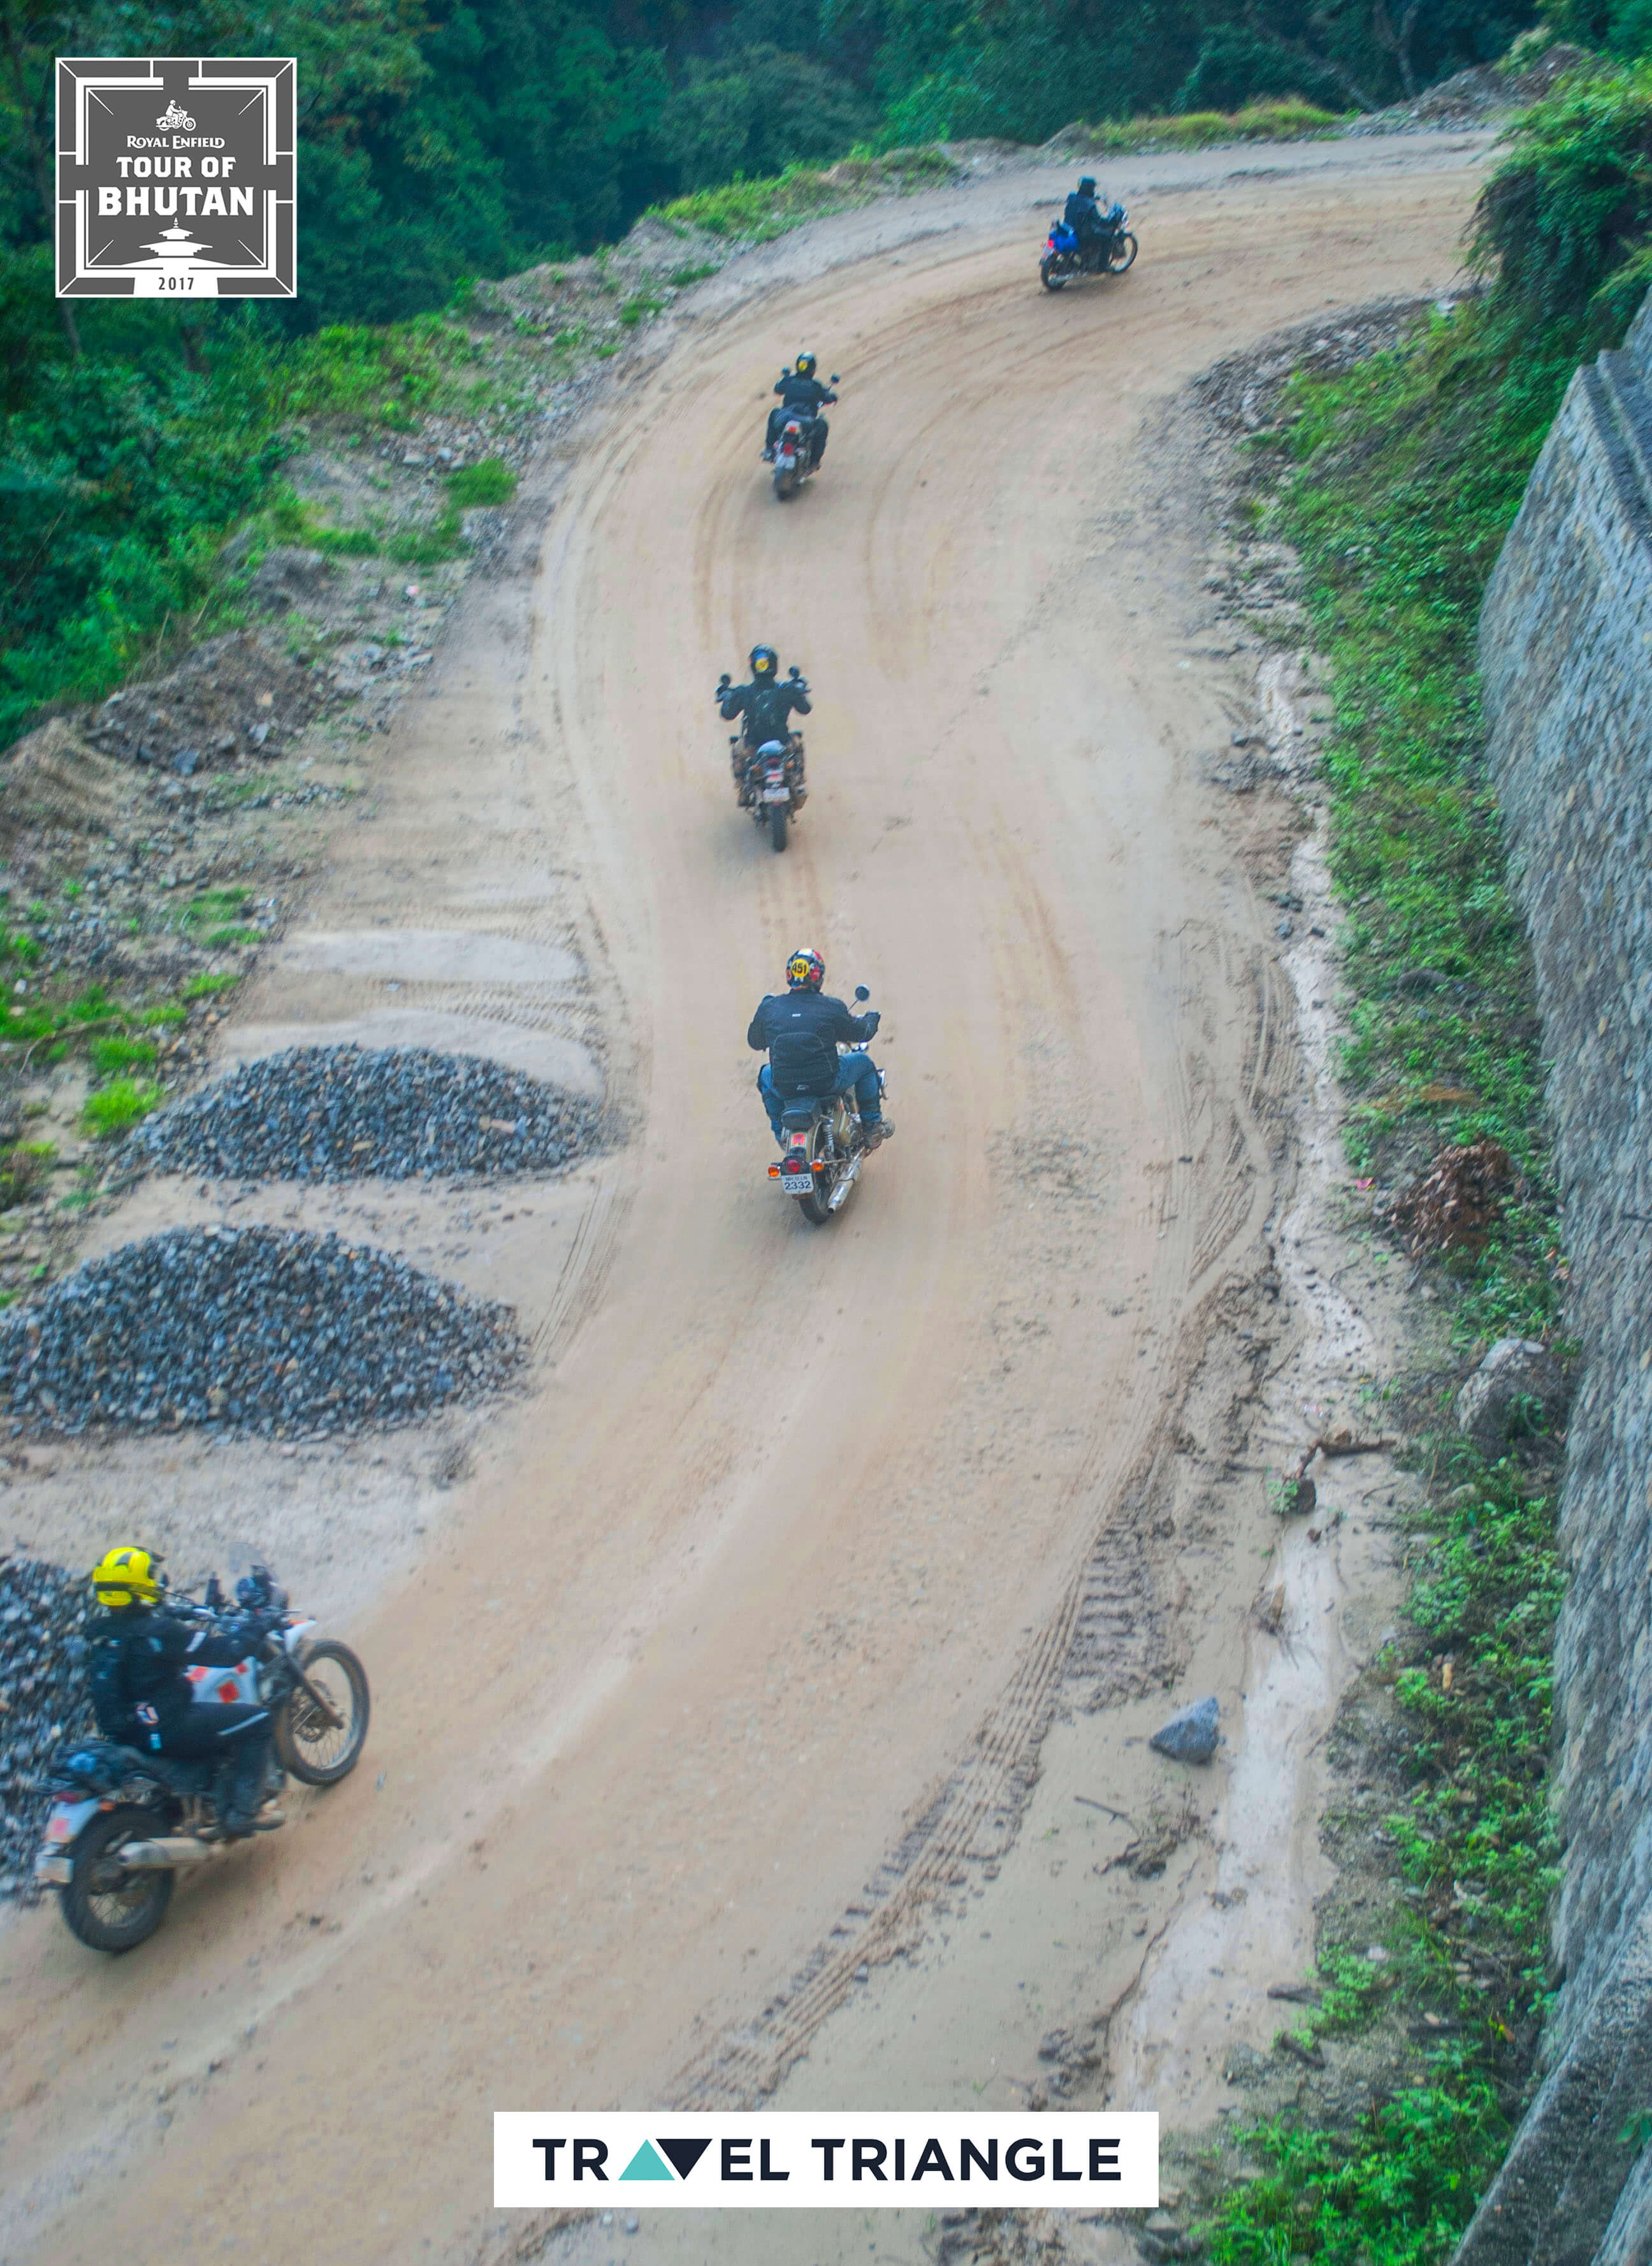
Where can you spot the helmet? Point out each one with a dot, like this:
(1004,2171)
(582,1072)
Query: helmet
(1086,187)
(804,366)
(128,1576)
(805,970)
(765,660)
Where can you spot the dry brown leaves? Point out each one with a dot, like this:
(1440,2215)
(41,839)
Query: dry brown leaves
(1454,1204)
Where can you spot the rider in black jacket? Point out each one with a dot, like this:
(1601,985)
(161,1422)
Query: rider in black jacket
(1084,215)
(137,1663)
(799,389)
(800,1034)
(767,704)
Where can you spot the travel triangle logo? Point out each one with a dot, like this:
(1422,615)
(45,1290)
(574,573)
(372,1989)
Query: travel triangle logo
(684,2154)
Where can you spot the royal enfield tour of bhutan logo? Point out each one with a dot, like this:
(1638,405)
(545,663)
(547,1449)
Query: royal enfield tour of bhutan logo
(175,177)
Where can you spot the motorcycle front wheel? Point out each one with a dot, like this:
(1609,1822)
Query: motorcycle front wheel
(1047,274)
(319,1752)
(1124,259)
(107,1908)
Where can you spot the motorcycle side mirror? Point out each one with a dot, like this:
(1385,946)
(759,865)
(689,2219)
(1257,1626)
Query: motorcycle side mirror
(725,678)
(861,991)
(214,1595)
(834,378)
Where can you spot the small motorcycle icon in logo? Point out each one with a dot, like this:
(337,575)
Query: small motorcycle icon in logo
(176,118)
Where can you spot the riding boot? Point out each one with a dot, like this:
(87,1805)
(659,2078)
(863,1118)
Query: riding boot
(245,1795)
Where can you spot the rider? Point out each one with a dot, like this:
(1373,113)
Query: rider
(1084,216)
(799,389)
(766,704)
(800,1032)
(142,1698)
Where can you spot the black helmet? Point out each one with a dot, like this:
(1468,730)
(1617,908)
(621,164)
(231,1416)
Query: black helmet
(765,660)
(1086,187)
(804,366)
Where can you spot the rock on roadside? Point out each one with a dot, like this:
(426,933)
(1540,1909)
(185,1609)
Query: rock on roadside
(1191,1735)
(1515,1369)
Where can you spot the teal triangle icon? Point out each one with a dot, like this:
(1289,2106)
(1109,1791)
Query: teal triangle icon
(644,2165)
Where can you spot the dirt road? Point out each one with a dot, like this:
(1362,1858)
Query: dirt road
(739,1649)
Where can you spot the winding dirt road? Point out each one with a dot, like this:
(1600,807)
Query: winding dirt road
(763,1598)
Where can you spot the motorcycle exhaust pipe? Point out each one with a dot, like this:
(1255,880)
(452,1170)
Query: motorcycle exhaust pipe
(840,1194)
(163,1856)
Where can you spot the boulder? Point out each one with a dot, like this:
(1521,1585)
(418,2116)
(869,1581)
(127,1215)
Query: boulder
(1191,1735)
(1515,1371)
(285,577)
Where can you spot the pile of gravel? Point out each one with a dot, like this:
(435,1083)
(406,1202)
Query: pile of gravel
(257,1328)
(342,1113)
(42,1701)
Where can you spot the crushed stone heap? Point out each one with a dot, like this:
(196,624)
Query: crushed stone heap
(349,1113)
(257,1329)
(42,1701)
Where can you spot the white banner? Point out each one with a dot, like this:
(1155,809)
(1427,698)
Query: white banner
(806,2160)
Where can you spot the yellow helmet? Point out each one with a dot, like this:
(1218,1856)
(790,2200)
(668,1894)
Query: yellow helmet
(128,1576)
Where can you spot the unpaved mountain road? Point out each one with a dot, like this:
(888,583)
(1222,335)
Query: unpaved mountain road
(775,1573)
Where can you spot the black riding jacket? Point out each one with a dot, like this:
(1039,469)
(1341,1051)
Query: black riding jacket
(800,1031)
(1086,217)
(138,1658)
(766,704)
(805,393)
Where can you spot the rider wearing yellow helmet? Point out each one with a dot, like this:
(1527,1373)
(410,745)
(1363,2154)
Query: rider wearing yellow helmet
(137,1666)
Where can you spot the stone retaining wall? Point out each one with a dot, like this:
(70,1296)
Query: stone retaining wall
(1565,651)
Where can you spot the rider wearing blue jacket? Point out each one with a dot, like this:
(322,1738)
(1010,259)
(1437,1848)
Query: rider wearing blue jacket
(800,390)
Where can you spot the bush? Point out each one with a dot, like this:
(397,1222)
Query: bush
(490,482)
(1563,223)
(115,1108)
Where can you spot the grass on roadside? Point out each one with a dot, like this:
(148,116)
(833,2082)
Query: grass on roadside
(1396,483)
(115,1108)
(1286,120)
(1476,1844)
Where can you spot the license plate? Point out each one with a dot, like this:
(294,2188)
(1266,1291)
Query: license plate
(776,794)
(797,1184)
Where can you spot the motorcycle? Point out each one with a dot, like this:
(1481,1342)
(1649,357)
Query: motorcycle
(795,450)
(122,1822)
(824,1149)
(769,779)
(1066,258)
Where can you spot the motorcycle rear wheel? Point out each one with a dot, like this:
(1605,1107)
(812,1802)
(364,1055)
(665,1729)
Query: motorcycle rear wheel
(815,1207)
(104,1907)
(778,812)
(313,1749)
(1125,257)
(785,484)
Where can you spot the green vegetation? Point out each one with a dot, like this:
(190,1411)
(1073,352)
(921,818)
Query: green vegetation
(115,1108)
(480,485)
(207,987)
(1201,129)
(109,1055)
(1397,483)
(1476,1844)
